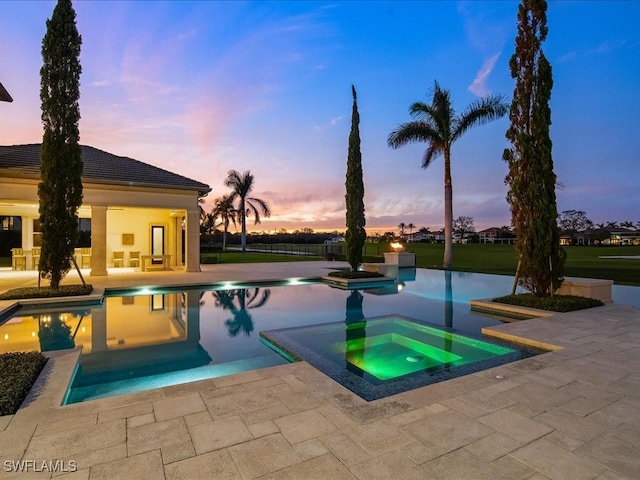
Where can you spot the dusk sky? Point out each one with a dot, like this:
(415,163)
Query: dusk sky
(200,88)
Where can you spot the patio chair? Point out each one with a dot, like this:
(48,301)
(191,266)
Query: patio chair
(85,257)
(35,257)
(118,259)
(134,259)
(18,259)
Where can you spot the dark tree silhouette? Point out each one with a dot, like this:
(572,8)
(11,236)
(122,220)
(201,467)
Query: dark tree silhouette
(60,189)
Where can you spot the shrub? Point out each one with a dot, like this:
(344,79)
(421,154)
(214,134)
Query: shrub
(208,259)
(46,292)
(18,372)
(352,275)
(557,303)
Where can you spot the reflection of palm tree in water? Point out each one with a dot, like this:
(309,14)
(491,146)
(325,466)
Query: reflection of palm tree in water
(355,331)
(448,309)
(247,298)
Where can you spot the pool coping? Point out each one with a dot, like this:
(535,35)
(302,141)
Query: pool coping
(487,305)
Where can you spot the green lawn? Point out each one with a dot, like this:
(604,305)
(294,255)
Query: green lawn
(251,257)
(501,259)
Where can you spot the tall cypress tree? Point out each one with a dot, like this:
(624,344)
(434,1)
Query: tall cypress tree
(355,235)
(531,178)
(60,189)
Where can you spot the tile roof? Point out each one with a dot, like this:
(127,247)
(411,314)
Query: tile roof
(98,166)
(4,95)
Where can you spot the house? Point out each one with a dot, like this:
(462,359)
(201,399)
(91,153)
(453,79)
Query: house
(130,206)
(496,235)
(419,237)
(438,237)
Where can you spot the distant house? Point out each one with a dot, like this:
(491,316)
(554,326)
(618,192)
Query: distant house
(419,237)
(496,235)
(130,206)
(337,239)
(438,237)
(602,236)
(622,236)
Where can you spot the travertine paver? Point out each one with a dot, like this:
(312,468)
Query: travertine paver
(394,464)
(177,452)
(178,406)
(262,428)
(556,462)
(379,437)
(515,426)
(146,466)
(570,414)
(302,426)
(157,435)
(139,420)
(97,457)
(263,455)
(311,448)
(444,432)
(211,465)
(125,412)
(325,467)
(493,446)
(461,465)
(219,434)
(617,450)
(344,448)
(226,405)
(77,440)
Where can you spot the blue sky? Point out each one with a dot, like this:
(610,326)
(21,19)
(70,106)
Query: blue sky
(203,87)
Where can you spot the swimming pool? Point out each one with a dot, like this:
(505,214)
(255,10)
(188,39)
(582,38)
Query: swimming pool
(142,339)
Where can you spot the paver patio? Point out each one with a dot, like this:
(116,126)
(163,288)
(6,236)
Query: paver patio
(569,414)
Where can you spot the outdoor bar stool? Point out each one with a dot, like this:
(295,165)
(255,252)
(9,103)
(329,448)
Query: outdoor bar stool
(118,259)
(35,257)
(134,259)
(85,257)
(18,259)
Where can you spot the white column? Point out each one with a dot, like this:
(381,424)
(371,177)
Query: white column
(98,240)
(192,254)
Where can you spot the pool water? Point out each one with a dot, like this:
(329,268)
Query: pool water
(149,338)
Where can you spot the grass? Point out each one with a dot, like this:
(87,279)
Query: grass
(46,292)
(18,373)
(502,260)
(557,303)
(253,257)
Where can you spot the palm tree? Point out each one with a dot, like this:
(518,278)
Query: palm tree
(411,226)
(627,224)
(223,209)
(402,226)
(438,125)
(201,210)
(242,186)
